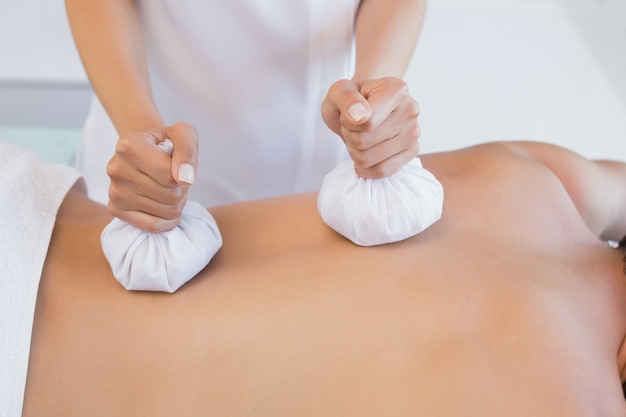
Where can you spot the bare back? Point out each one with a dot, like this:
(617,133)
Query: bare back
(508,305)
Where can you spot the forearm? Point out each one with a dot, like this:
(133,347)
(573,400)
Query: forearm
(108,37)
(386,35)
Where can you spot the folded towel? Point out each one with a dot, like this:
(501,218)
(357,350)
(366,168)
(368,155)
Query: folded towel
(31,192)
(378,211)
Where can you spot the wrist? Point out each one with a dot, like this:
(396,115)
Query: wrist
(140,123)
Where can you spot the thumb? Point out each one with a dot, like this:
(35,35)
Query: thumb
(353,105)
(345,106)
(185,155)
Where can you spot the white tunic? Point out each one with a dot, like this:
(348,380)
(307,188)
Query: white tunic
(250,76)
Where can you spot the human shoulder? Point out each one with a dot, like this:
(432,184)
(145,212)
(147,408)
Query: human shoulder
(496,159)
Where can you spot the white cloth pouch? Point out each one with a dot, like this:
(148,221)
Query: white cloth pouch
(379,211)
(161,261)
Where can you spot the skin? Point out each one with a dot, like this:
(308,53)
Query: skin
(386,137)
(509,305)
(148,193)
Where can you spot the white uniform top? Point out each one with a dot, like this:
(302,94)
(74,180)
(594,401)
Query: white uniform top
(250,76)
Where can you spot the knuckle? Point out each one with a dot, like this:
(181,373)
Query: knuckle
(168,181)
(362,160)
(381,171)
(113,196)
(369,172)
(413,134)
(185,129)
(170,199)
(395,84)
(338,86)
(174,198)
(414,108)
(113,168)
(369,126)
(125,144)
(414,149)
(154,226)
(112,208)
(388,82)
(358,141)
(172,212)
(164,225)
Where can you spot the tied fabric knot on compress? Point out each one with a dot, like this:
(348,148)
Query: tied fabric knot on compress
(379,211)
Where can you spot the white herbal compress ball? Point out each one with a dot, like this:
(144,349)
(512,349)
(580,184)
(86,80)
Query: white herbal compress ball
(161,261)
(378,211)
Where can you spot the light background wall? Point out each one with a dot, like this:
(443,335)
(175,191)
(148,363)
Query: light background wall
(551,70)
(42,82)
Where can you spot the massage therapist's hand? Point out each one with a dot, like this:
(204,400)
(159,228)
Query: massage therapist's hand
(148,187)
(377,120)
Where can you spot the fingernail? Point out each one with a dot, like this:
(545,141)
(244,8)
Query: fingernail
(357,111)
(186,174)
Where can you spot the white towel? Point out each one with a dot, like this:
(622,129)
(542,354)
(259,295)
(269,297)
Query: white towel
(31,192)
(374,212)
